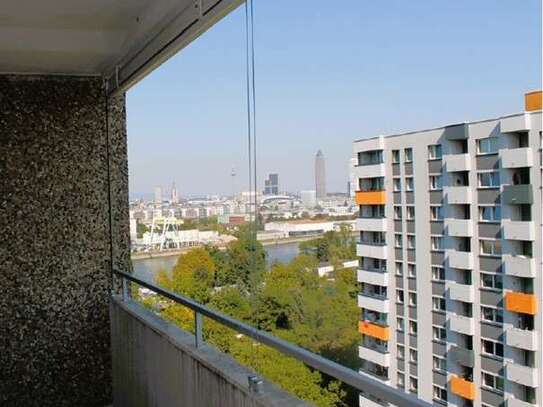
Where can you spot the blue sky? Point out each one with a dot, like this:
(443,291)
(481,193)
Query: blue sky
(327,73)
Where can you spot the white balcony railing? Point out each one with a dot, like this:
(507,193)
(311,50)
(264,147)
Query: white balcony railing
(514,402)
(462,324)
(458,227)
(522,339)
(375,356)
(371,225)
(518,230)
(377,251)
(461,292)
(458,195)
(517,157)
(519,266)
(524,375)
(513,124)
(379,304)
(457,162)
(460,260)
(369,170)
(372,277)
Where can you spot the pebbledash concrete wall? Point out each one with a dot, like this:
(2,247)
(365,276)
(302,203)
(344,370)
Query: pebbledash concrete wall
(55,246)
(155,364)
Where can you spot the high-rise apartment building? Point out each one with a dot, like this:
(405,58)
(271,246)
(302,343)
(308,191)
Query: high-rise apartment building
(320,175)
(450,269)
(271,185)
(158,194)
(175,196)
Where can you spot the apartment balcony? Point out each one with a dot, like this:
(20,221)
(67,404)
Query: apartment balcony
(374,330)
(521,303)
(524,375)
(371,224)
(514,402)
(460,323)
(457,162)
(461,292)
(379,356)
(518,194)
(370,402)
(516,157)
(518,230)
(464,357)
(374,303)
(519,266)
(458,227)
(370,249)
(460,260)
(463,388)
(370,197)
(369,170)
(372,277)
(457,195)
(515,123)
(522,339)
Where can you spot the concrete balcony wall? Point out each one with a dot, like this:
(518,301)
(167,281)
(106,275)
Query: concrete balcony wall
(521,374)
(458,227)
(522,339)
(461,292)
(514,402)
(457,195)
(517,194)
(56,246)
(369,170)
(374,303)
(517,157)
(371,224)
(460,323)
(518,230)
(519,266)
(375,143)
(457,162)
(381,358)
(460,260)
(369,250)
(513,124)
(372,277)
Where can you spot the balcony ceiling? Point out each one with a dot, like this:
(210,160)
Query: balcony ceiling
(92,37)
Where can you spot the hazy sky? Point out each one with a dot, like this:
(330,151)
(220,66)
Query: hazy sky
(327,73)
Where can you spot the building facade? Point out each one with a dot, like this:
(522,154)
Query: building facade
(320,175)
(450,226)
(271,185)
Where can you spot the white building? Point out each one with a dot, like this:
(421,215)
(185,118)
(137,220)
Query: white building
(309,199)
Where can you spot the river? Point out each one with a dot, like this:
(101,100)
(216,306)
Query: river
(147,268)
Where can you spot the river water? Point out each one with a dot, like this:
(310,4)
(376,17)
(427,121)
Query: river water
(147,268)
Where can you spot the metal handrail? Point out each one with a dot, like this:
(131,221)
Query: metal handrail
(360,382)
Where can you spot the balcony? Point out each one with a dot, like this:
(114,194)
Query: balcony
(464,357)
(370,249)
(375,355)
(460,260)
(461,292)
(522,339)
(457,195)
(517,157)
(374,303)
(372,277)
(524,375)
(371,224)
(463,388)
(460,323)
(514,402)
(458,227)
(370,197)
(521,303)
(514,124)
(517,194)
(374,330)
(519,266)
(457,162)
(369,170)
(518,230)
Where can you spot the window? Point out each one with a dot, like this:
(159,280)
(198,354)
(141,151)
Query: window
(401,352)
(492,348)
(434,152)
(436,212)
(410,241)
(399,296)
(413,384)
(435,182)
(410,212)
(437,243)
(412,299)
(413,328)
(413,355)
(397,184)
(493,382)
(440,394)
(440,363)
(399,324)
(438,303)
(491,247)
(490,179)
(492,314)
(398,240)
(490,213)
(494,281)
(409,184)
(397,212)
(487,145)
(438,273)
(395,156)
(401,380)
(411,270)
(399,269)
(408,153)
(439,333)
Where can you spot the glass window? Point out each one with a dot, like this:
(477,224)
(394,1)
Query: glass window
(491,247)
(399,269)
(436,212)
(401,380)
(397,184)
(438,273)
(413,355)
(487,145)
(411,270)
(399,324)
(494,281)
(438,303)
(409,183)
(490,213)
(490,314)
(410,241)
(399,296)
(440,393)
(408,155)
(397,212)
(439,333)
(398,240)
(412,299)
(492,348)
(436,242)
(435,182)
(439,363)
(395,156)
(492,381)
(413,327)
(401,352)
(489,179)
(410,212)
(434,152)
(413,384)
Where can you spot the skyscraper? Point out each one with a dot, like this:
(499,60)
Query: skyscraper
(320,175)
(158,194)
(175,197)
(271,185)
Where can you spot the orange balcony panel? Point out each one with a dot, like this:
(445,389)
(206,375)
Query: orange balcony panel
(463,388)
(374,330)
(533,101)
(520,302)
(370,197)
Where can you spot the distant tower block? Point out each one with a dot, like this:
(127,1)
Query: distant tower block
(158,194)
(233,177)
(320,175)
(175,197)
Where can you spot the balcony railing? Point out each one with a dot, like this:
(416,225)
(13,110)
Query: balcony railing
(339,372)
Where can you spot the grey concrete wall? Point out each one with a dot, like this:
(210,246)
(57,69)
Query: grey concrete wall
(155,364)
(55,249)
